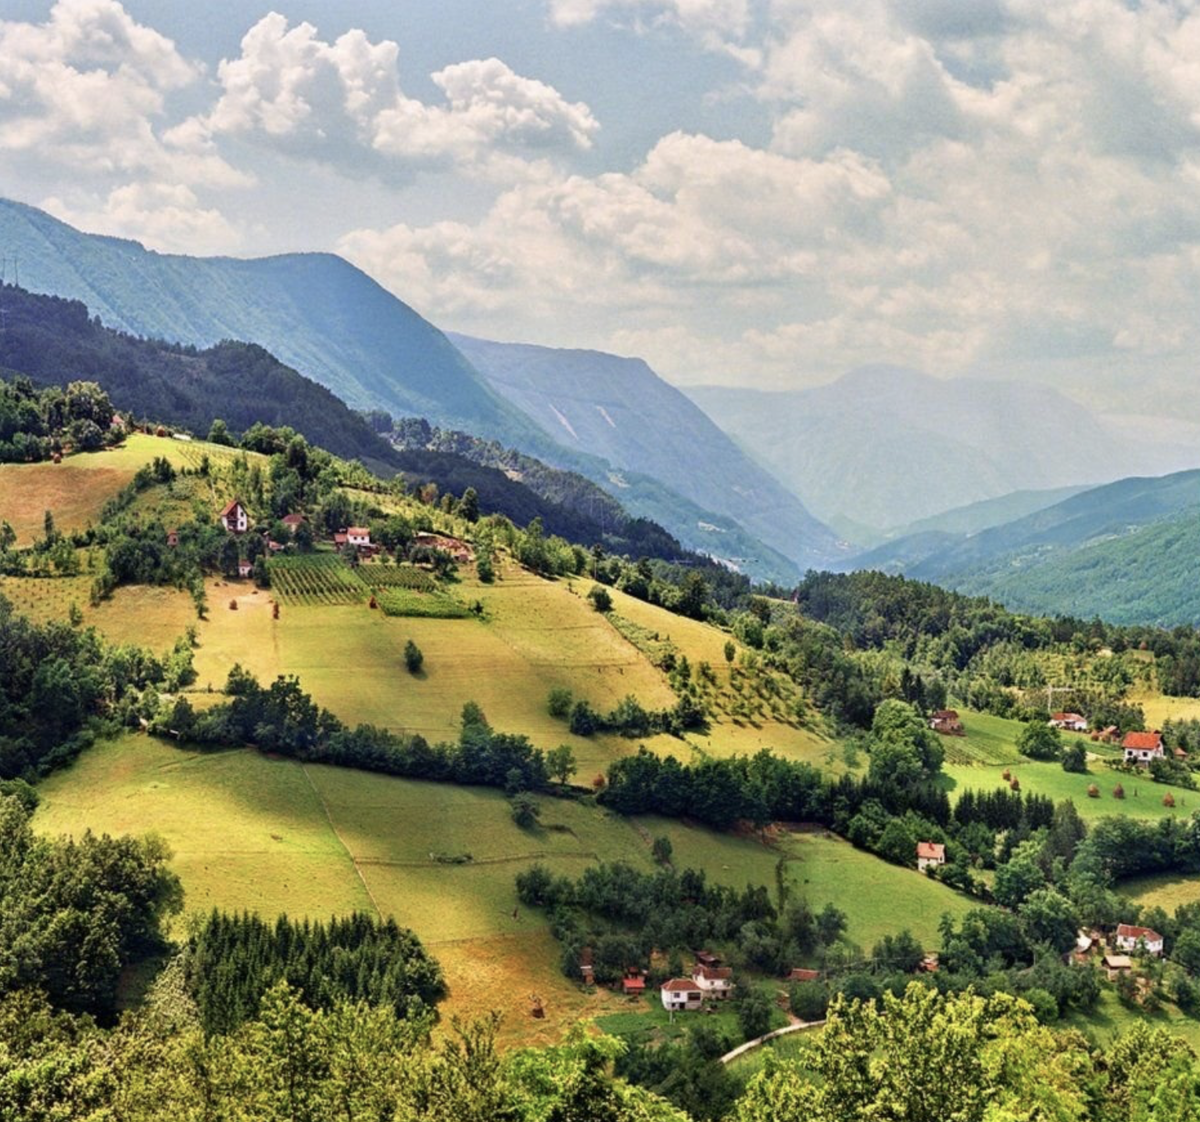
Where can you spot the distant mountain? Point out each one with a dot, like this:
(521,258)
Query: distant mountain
(55,341)
(331,322)
(314,311)
(912,544)
(888,446)
(620,410)
(1147,576)
(1125,551)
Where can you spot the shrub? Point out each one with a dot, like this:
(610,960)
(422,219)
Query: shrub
(601,598)
(559,703)
(1168,799)
(413,658)
(1118,792)
(1093,791)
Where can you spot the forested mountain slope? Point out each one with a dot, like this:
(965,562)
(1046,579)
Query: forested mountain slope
(315,311)
(619,409)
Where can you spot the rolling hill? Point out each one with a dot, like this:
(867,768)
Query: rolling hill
(619,409)
(887,446)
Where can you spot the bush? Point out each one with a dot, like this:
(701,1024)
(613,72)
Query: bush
(809,1000)
(559,703)
(525,810)
(1118,792)
(1093,791)
(601,598)
(413,658)
(1074,757)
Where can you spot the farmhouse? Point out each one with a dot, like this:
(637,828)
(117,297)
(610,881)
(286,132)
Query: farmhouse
(1129,937)
(293,522)
(930,853)
(713,981)
(947,722)
(359,536)
(1142,747)
(1073,722)
(234,518)
(681,993)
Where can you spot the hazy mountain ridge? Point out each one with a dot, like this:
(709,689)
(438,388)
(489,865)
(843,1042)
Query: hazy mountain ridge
(1125,551)
(335,325)
(619,409)
(314,311)
(888,446)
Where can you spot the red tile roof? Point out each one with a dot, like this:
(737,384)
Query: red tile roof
(1143,740)
(946,715)
(233,505)
(292,519)
(799,974)
(679,985)
(631,984)
(1128,931)
(931,851)
(713,973)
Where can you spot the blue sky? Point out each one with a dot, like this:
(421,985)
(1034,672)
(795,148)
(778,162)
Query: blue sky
(758,192)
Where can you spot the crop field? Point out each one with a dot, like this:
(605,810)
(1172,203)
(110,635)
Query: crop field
(426,605)
(376,576)
(755,710)
(988,740)
(315,579)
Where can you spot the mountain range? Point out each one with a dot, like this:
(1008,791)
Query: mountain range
(1125,551)
(886,446)
(330,322)
(619,409)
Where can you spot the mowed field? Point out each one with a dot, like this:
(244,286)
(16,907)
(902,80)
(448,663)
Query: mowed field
(273,835)
(536,635)
(76,489)
(978,761)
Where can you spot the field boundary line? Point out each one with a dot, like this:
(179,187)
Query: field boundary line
(342,842)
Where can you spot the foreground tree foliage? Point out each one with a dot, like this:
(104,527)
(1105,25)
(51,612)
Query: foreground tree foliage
(922,1057)
(74,914)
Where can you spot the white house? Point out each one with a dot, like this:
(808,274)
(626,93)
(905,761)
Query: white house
(1073,722)
(358,535)
(713,981)
(234,518)
(1128,938)
(930,853)
(681,993)
(1142,747)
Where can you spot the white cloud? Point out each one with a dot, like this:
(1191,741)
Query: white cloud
(84,89)
(169,218)
(726,16)
(342,100)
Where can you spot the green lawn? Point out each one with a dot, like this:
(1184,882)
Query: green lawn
(1143,798)
(877,897)
(1110,1018)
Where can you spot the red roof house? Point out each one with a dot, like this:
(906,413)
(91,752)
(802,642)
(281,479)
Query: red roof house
(1142,747)
(1072,721)
(947,722)
(234,518)
(681,993)
(799,974)
(930,853)
(1128,938)
(293,522)
(634,983)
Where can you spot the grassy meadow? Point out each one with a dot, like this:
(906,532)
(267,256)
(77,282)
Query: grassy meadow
(76,489)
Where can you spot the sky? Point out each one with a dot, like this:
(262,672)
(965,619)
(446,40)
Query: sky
(753,192)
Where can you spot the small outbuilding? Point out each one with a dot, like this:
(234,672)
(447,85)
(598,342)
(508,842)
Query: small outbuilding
(947,722)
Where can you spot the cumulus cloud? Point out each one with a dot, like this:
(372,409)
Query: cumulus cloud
(726,16)
(343,100)
(166,217)
(85,88)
